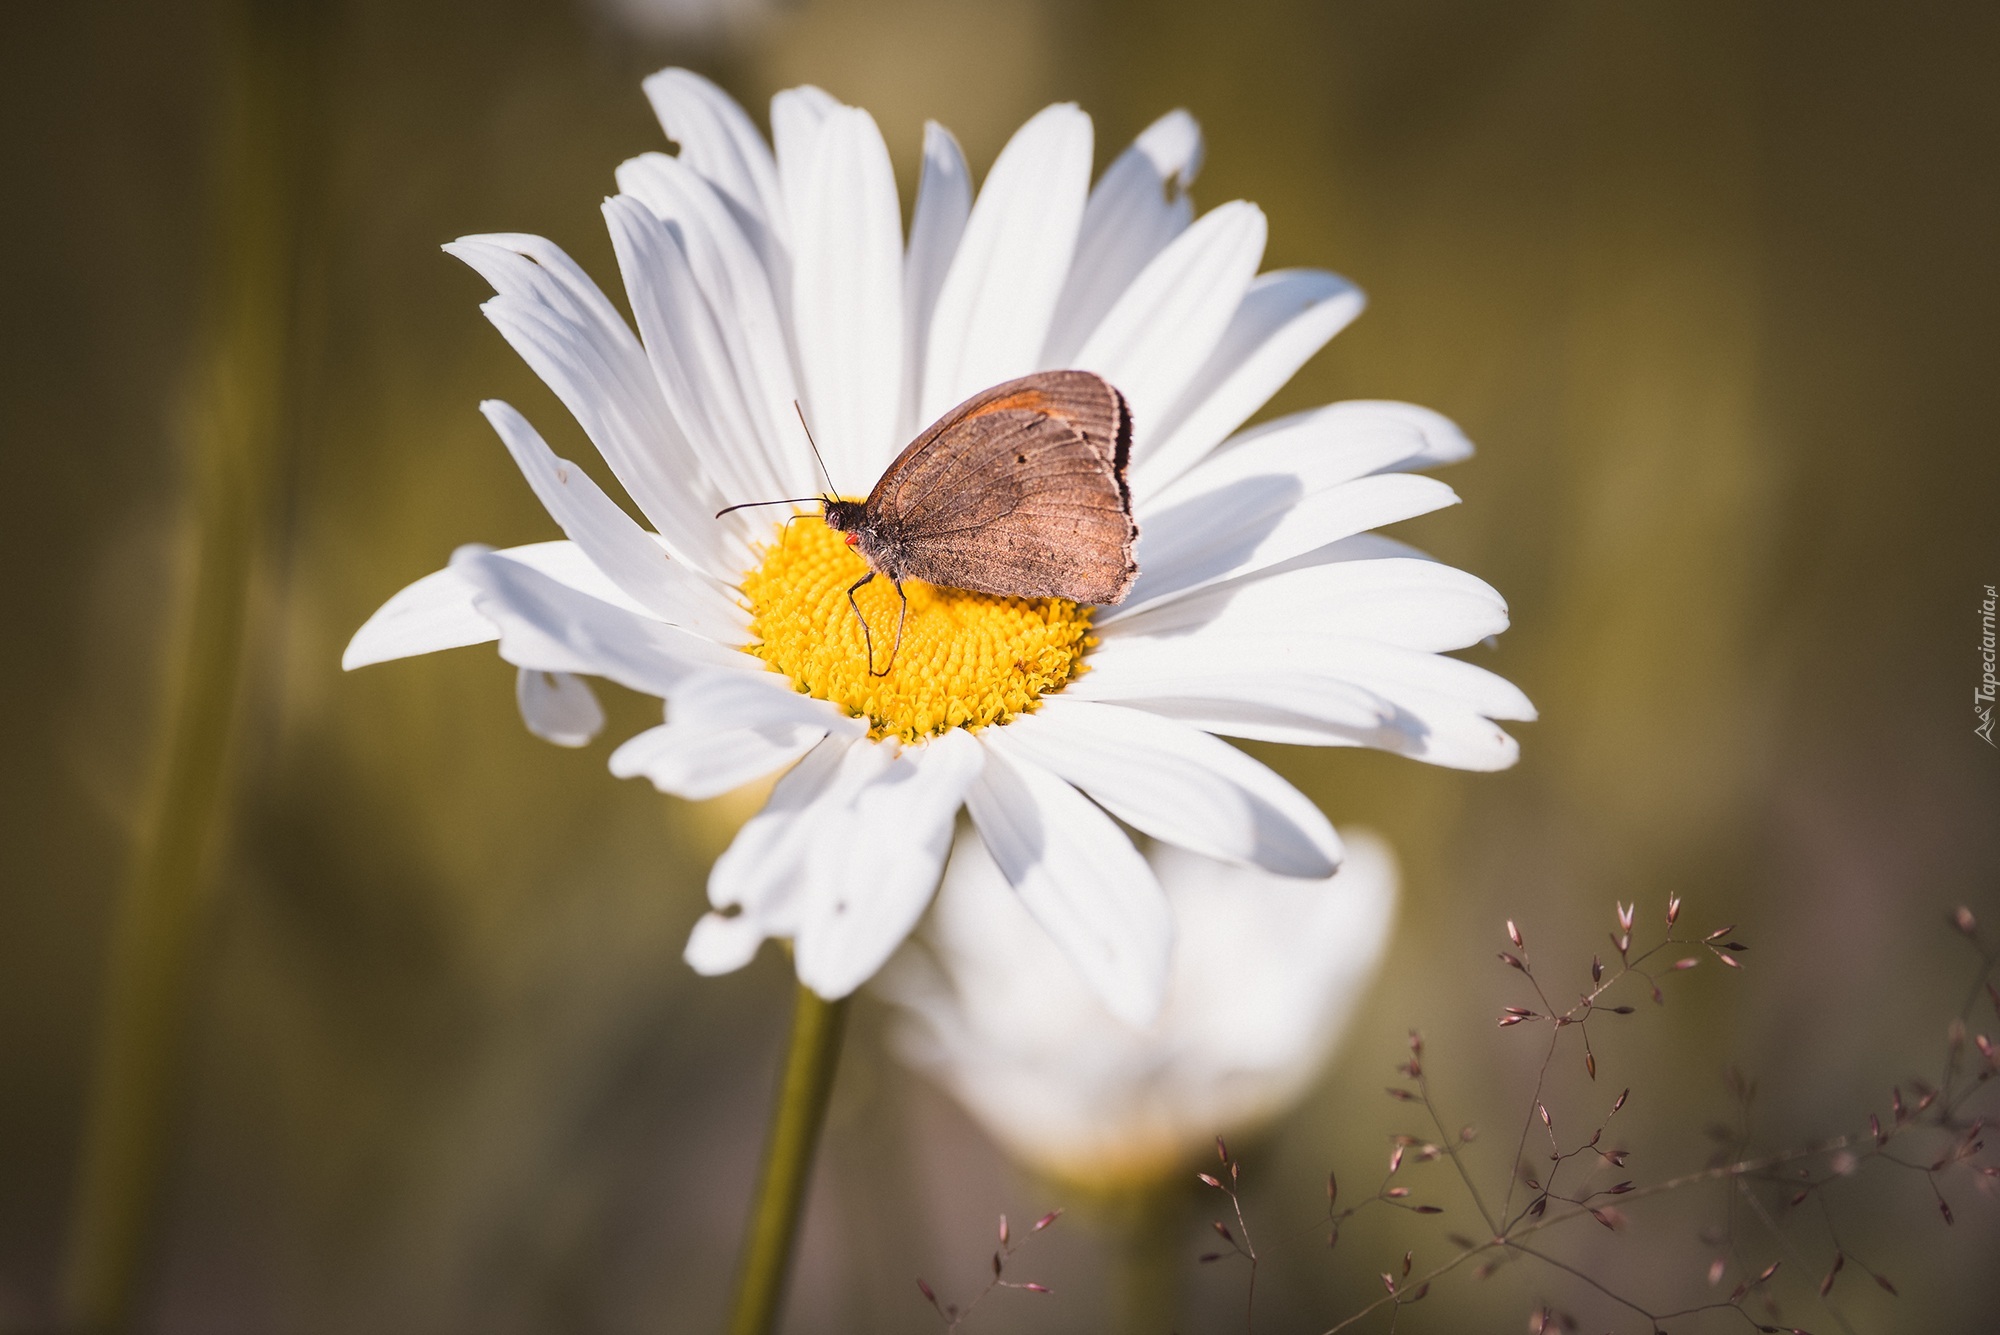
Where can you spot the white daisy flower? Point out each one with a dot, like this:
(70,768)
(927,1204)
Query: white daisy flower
(1262,610)
(1265,976)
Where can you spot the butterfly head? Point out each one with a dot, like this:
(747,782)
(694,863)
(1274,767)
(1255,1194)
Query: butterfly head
(847,516)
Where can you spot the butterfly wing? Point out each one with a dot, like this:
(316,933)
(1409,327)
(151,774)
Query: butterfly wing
(1018,491)
(1084,399)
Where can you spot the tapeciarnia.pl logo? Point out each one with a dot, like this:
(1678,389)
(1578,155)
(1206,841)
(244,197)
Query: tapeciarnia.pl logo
(1982,694)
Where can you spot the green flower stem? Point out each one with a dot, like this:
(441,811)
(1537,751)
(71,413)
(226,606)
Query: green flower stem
(1147,1221)
(803,1094)
(233,422)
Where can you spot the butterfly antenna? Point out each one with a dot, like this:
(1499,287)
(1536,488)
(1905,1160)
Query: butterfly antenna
(789,500)
(830,489)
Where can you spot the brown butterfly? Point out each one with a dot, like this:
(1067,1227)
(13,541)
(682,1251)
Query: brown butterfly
(1019,491)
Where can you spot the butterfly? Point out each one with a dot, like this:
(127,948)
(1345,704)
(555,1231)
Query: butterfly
(1019,491)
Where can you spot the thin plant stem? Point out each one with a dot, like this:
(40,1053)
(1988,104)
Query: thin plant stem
(803,1094)
(1517,1231)
(233,420)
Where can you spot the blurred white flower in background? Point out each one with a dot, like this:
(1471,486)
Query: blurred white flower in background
(696,21)
(1267,971)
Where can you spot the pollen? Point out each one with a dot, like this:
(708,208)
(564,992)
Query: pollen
(966,660)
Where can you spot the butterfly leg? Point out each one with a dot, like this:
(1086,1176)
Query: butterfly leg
(867,640)
(901,617)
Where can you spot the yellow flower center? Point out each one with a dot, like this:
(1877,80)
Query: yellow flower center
(966,660)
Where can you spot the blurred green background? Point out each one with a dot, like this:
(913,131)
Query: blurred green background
(1713,285)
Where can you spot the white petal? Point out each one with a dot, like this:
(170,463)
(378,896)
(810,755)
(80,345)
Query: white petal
(733,278)
(1260,521)
(1167,323)
(558,707)
(519,264)
(1079,875)
(1139,205)
(690,358)
(1181,785)
(718,140)
(567,332)
(1285,318)
(846,853)
(1127,663)
(796,115)
(722,943)
(1324,447)
(698,763)
(630,557)
(1437,732)
(753,699)
(760,871)
(994,310)
(1310,689)
(725,729)
(437,611)
(847,297)
(621,409)
(1415,604)
(434,613)
(553,628)
(881,861)
(944,201)
(1317,709)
